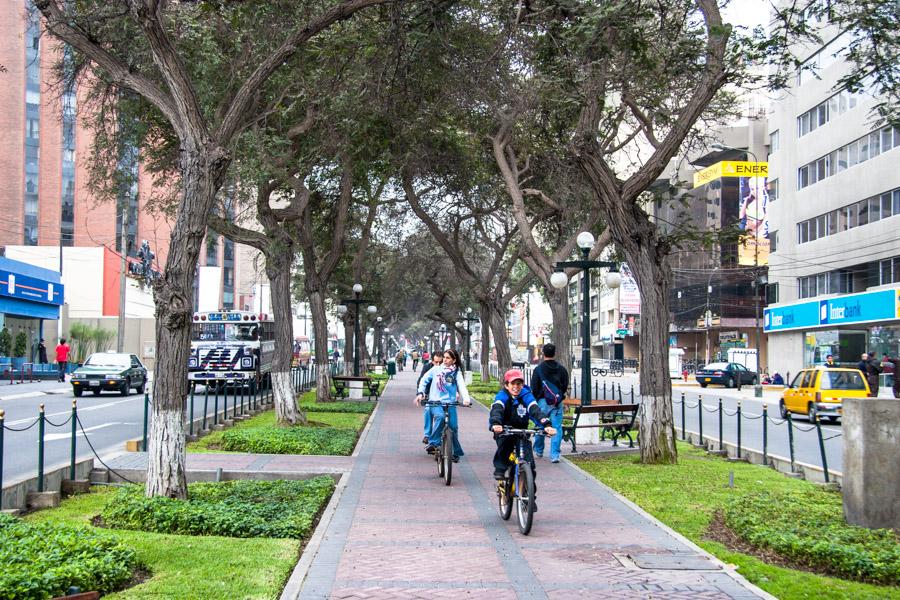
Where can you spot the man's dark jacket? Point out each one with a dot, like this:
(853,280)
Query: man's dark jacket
(553,372)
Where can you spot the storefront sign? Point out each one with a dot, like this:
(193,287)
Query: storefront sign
(23,287)
(883,305)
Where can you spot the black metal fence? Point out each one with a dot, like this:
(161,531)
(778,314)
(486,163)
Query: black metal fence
(243,400)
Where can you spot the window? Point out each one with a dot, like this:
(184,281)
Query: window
(886,272)
(832,219)
(772,293)
(862,213)
(849,155)
(887,141)
(773,190)
(802,177)
(874,209)
(594,303)
(774,141)
(595,328)
(773,241)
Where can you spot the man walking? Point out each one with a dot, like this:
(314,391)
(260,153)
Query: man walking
(549,383)
(62,358)
(895,363)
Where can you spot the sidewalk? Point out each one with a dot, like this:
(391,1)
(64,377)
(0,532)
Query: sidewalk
(394,530)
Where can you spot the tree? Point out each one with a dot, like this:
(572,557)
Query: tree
(134,45)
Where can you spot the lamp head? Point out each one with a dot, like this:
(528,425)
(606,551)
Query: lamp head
(379,319)
(458,325)
(386,330)
(372,309)
(342,309)
(612,279)
(585,240)
(468,310)
(357,288)
(443,327)
(719,147)
(559,280)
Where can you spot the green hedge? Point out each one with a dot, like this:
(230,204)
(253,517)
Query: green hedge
(290,440)
(276,509)
(44,560)
(338,407)
(808,527)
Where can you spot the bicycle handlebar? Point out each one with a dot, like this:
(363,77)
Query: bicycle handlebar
(513,431)
(436,403)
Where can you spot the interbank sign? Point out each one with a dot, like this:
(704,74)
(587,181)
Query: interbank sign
(883,305)
(731,168)
(23,287)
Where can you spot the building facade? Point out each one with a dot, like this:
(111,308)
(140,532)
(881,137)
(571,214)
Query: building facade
(834,216)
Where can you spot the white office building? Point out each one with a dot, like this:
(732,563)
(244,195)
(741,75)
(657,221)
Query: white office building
(834,220)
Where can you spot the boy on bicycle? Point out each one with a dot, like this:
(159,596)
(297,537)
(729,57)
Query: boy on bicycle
(513,406)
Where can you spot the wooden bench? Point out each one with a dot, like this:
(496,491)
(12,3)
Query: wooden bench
(617,419)
(342,384)
(373,388)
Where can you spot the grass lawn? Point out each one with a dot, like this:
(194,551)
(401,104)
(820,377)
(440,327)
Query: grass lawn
(685,497)
(187,566)
(213,441)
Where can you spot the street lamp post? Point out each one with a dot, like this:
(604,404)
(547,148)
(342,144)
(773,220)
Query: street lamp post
(560,280)
(376,341)
(469,319)
(356,301)
(444,336)
(430,340)
(757,389)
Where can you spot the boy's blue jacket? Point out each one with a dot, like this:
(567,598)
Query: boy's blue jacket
(505,410)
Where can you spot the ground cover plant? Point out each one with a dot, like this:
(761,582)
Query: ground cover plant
(181,566)
(43,560)
(246,508)
(692,496)
(808,526)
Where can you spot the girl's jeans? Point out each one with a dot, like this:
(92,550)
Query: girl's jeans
(437,428)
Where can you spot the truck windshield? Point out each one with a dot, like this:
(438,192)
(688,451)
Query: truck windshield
(224,332)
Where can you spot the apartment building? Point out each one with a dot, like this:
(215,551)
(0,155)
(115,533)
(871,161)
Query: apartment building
(834,267)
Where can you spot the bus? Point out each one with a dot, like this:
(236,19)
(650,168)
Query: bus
(231,348)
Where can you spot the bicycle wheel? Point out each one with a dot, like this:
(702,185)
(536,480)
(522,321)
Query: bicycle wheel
(447,454)
(504,496)
(525,498)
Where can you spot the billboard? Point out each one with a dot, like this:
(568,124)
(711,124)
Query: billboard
(629,294)
(754,197)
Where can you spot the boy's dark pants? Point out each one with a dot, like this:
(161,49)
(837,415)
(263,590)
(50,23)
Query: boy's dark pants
(507,444)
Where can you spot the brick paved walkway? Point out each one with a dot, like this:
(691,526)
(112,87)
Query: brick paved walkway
(398,532)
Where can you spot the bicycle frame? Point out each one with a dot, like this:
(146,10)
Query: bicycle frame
(443,453)
(515,479)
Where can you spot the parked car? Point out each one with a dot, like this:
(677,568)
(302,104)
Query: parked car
(818,392)
(727,374)
(110,371)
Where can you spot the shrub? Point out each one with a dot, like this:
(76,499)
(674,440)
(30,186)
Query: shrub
(808,528)
(338,407)
(21,345)
(290,440)
(43,560)
(277,509)
(5,342)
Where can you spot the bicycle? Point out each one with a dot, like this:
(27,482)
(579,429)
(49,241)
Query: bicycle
(443,454)
(517,485)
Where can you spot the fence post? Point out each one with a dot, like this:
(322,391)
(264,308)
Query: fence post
(739,429)
(620,393)
(790,424)
(596,388)
(146,417)
(216,407)
(632,393)
(225,402)
(191,421)
(765,433)
(2,427)
(683,435)
(700,416)
(205,405)
(604,389)
(74,430)
(41,448)
(721,439)
(822,448)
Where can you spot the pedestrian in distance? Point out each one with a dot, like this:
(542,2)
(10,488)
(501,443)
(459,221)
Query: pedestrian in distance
(514,406)
(895,364)
(445,384)
(62,358)
(873,371)
(42,352)
(862,364)
(415,359)
(549,384)
(436,361)
(829,362)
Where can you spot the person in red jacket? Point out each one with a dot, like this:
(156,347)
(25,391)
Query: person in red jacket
(62,358)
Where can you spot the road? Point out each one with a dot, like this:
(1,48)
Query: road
(108,420)
(806,441)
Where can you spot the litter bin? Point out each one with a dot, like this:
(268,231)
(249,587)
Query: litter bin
(391,368)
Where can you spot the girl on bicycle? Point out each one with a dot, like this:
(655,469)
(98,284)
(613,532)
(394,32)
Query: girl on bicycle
(513,406)
(448,382)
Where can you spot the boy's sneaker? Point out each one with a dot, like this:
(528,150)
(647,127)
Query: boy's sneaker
(430,449)
(539,454)
(498,475)
(424,439)
(455,458)
(534,504)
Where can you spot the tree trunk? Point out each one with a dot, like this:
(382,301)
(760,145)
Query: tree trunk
(559,309)
(501,341)
(202,171)
(278,270)
(320,330)
(349,341)
(485,343)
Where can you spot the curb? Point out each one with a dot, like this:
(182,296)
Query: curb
(294,583)
(729,570)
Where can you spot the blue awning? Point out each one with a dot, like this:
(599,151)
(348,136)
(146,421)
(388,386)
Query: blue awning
(29,310)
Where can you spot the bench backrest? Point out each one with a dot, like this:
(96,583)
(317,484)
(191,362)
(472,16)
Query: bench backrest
(611,408)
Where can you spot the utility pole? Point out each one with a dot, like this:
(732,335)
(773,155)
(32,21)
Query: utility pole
(120,338)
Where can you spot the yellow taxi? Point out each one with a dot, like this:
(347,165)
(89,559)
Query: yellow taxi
(818,392)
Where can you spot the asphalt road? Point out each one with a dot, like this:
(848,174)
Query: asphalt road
(108,420)
(806,441)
